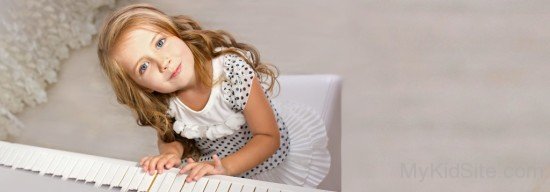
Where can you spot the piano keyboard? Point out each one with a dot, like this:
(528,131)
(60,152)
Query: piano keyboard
(120,175)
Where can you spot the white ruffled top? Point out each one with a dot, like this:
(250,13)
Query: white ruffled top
(215,120)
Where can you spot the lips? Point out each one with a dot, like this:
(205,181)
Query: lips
(176,72)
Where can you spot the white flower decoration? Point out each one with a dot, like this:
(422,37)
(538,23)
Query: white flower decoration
(213,131)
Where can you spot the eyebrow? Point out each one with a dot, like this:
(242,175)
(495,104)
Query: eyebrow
(136,68)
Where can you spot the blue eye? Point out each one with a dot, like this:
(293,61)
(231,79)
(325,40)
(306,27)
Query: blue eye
(160,43)
(143,67)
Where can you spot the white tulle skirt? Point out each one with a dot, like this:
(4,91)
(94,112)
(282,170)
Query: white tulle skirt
(308,160)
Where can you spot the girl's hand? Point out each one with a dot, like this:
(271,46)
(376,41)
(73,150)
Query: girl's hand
(199,169)
(160,162)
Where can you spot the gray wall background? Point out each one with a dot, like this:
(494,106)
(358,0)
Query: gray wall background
(456,88)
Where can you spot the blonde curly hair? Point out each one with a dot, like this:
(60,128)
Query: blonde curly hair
(150,107)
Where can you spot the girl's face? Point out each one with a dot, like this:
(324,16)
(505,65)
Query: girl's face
(156,60)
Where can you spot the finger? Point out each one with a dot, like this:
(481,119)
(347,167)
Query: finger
(193,173)
(173,162)
(170,164)
(217,162)
(146,164)
(176,162)
(153,164)
(187,168)
(161,163)
(143,160)
(207,169)
(190,160)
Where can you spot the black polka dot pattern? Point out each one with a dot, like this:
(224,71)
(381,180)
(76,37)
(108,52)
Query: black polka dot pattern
(238,81)
(235,91)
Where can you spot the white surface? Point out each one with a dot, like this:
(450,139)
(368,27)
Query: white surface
(425,81)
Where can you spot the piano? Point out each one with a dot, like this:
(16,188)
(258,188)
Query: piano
(31,168)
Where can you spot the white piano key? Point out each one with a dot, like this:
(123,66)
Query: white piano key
(35,161)
(19,159)
(3,153)
(178,183)
(61,166)
(76,170)
(248,188)
(119,175)
(17,152)
(13,155)
(188,186)
(26,159)
(157,182)
(110,174)
(200,185)
(68,168)
(260,189)
(93,171)
(85,170)
(223,187)
(4,158)
(7,149)
(125,183)
(167,182)
(138,177)
(3,150)
(235,187)
(39,161)
(146,182)
(212,185)
(31,160)
(43,168)
(6,144)
(101,174)
(53,165)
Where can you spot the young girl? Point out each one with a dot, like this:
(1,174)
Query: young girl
(207,97)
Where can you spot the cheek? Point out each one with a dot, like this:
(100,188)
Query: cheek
(150,80)
(186,52)
(190,71)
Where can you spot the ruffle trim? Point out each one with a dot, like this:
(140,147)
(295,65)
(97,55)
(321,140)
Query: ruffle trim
(308,160)
(213,131)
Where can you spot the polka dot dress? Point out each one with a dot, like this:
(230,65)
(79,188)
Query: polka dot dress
(235,90)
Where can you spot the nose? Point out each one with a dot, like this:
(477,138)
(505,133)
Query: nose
(165,63)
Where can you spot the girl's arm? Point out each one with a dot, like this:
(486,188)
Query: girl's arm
(174,147)
(265,134)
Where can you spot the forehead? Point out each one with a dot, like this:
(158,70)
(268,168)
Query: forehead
(132,45)
(137,35)
(134,38)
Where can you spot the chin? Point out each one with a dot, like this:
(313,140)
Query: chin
(165,91)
